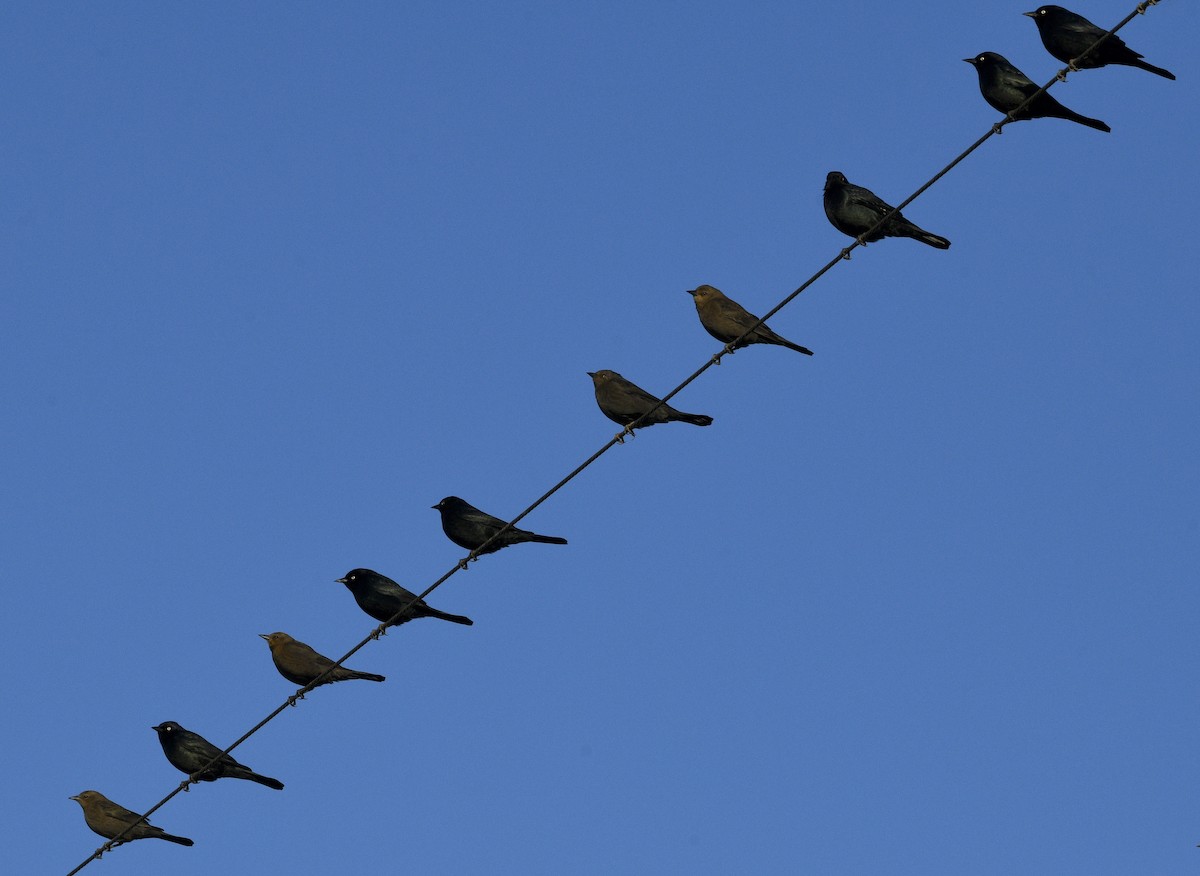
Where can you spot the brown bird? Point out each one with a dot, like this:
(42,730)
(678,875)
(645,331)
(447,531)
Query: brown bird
(726,320)
(108,819)
(300,664)
(623,402)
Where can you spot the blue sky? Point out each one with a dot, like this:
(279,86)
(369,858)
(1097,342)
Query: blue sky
(280,277)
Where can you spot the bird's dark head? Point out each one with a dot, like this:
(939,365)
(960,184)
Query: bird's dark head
(986,59)
(86,797)
(448,503)
(704,292)
(1044,13)
(602,376)
(359,578)
(166,728)
(834,178)
(275,638)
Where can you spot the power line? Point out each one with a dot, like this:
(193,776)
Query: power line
(619,438)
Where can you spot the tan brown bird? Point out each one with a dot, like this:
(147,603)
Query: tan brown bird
(726,320)
(300,664)
(623,401)
(108,819)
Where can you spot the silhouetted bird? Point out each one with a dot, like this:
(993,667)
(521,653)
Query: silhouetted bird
(1066,36)
(623,401)
(381,597)
(853,210)
(1006,88)
(468,527)
(726,320)
(108,819)
(300,664)
(189,752)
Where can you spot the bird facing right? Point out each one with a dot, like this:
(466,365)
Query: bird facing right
(1066,36)
(624,402)
(108,819)
(1006,88)
(854,210)
(300,664)
(726,320)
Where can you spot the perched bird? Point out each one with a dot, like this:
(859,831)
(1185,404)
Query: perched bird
(468,527)
(1066,36)
(854,210)
(381,597)
(623,401)
(1006,88)
(108,819)
(726,320)
(300,664)
(190,752)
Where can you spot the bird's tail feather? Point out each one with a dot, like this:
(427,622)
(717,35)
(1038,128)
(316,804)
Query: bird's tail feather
(805,350)
(696,419)
(1166,74)
(265,780)
(925,237)
(453,618)
(1091,123)
(171,838)
(366,676)
(542,539)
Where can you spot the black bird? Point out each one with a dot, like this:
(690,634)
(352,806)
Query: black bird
(468,527)
(381,597)
(189,752)
(726,320)
(108,819)
(1066,36)
(1006,88)
(853,210)
(623,401)
(300,664)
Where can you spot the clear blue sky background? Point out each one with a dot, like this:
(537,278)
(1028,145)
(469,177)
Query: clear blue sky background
(278,277)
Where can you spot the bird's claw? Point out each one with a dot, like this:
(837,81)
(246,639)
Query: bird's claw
(846,252)
(998,128)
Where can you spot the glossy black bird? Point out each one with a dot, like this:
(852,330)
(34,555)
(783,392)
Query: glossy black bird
(726,320)
(300,664)
(1066,36)
(189,752)
(468,527)
(381,597)
(623,401)
(108,819)
(853,210)
(1006,88)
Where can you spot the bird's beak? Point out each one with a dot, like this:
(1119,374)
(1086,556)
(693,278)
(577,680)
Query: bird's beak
(1030,14)
(591,374)
(691,292)
(969,60)
(156,727)
(264,636)
(343,580)
(75,797)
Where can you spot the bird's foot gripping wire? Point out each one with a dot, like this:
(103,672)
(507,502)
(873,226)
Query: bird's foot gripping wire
(620,436)
(846,252)
(998,128)
(294,698)
(375,634)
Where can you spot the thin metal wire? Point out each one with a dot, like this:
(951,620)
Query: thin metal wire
(619,438)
